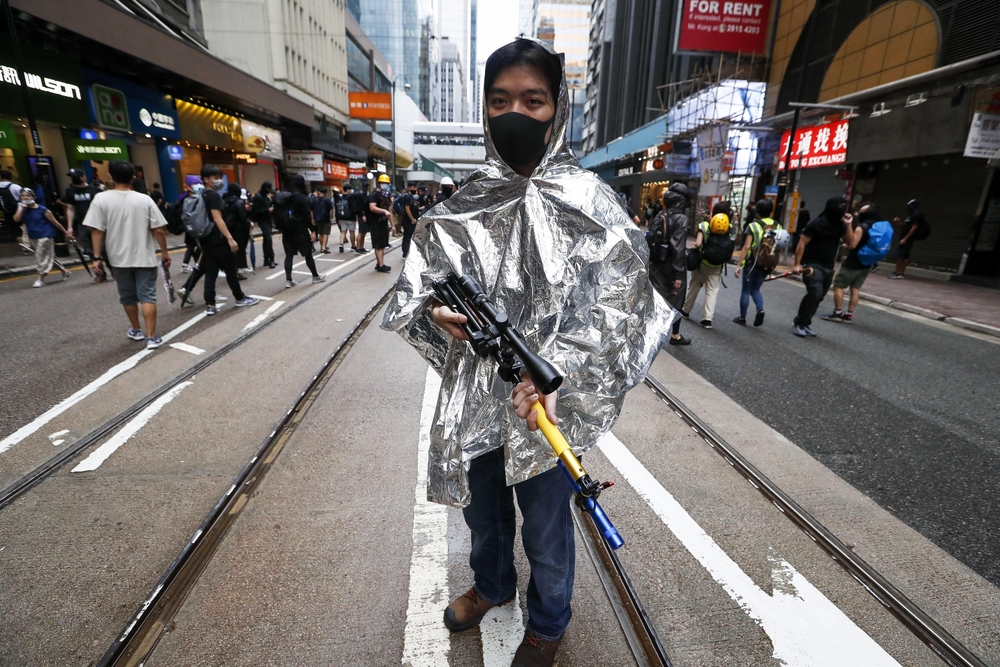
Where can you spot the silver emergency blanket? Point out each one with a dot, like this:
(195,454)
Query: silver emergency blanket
(559,254)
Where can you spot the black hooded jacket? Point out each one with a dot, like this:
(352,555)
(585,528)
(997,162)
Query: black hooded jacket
(825,232)
(674,225)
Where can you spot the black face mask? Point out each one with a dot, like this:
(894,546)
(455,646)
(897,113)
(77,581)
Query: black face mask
(519,139)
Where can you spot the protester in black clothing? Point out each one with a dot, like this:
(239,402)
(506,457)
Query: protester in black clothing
(853,272)
(914,221)
(424,199)
(447,188)
(298,230)
(817,250)
(322,215)
(77,199)
(235,214)
(157,196)
(218,249)
(192,184)
(260,213)
(667,236)
(410,202)
(378,221)
(358,201)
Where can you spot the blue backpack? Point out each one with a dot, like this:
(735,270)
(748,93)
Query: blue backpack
(879,242)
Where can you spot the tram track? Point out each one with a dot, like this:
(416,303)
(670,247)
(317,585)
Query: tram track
(22,486)
(949,649)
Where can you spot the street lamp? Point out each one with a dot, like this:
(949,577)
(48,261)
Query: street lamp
(406,86)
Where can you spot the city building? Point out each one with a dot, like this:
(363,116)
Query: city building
(455,22)
(565,25)
(527,18)
(454,108)
(396,27)
(457,147)
(430,70)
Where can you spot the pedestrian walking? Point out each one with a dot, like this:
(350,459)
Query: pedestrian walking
(77,199)
(411,211)
(260,213)
(157,196)
(914,228)
(667,240)
(482,453)
(234,212)
(378,216)
(871,245)
(298,230)
(41,226)
(817,249)
(359,203)
(218,248)
(715,250)
(757,258)
(10,200)
(347,217)
(130,227)
(192,251)
(323,215)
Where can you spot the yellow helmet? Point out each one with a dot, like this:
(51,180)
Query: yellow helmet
(384,178)
(719,224)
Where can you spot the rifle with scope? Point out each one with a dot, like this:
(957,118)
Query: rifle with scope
(492,336)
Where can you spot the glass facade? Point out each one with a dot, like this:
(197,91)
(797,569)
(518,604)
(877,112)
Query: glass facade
(394,28)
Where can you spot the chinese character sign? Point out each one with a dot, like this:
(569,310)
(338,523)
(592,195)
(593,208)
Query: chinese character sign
(724,26)
(816,146)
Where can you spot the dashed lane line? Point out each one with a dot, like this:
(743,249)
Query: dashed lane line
(190,349)
(263,316)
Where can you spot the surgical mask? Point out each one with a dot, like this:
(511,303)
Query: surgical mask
(28,202)
(384,187)
(198,187)
(519,139)
(219,185)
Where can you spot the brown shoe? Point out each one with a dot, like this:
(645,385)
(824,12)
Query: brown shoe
(468,610)
(535,651)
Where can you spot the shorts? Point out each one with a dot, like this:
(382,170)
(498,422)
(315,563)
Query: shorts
(380,234)
(903,250)
(323,228)
(136,284)
(850,277)
(347,225)
(362,226)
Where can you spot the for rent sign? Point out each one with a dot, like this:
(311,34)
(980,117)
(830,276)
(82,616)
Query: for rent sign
(724,26)
(819,146)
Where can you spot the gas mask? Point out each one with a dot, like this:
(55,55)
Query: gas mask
(519,139)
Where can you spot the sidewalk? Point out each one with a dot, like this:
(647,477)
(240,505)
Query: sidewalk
(15,262)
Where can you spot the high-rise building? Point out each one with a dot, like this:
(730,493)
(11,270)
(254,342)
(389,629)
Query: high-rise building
(454,108)
(565,25)
(430,70)
(527,18)
(395,27)
(455,25)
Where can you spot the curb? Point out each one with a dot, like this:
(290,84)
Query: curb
(973,326)
(30,270)
(933,315)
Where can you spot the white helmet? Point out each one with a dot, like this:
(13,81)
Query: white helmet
(447,181)
(781,239)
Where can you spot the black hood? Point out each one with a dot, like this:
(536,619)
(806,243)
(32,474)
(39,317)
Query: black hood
(835,209)
(676,197)
(870,213)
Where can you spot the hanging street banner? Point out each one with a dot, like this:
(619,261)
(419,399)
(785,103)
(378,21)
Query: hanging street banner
(721,26)
(372,106)
(819,146)
(713,144)
(984,136)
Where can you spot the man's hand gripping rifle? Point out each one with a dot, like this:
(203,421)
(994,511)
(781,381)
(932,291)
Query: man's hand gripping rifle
(491,335)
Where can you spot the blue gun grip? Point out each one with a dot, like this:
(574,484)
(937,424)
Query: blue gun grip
(601,520)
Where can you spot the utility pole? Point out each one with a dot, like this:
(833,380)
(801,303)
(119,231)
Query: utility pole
(22,80)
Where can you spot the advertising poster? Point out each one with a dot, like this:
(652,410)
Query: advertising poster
(721,26)
(984,136)
(819,146)
(372,106)
(713,144)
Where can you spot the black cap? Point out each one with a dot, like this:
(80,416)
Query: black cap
(76,172)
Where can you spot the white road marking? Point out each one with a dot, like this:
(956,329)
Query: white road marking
(426,640)
(101,454)
(344,265)
(262,298)
(501,631)
(263,316)
(302,273)
(110,374)
(805,628)
(58,434)
(184,347)
(325,259)
(58,442)
(282,271)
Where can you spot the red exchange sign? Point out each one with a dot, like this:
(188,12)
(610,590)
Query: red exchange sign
(819,146)
(724,26)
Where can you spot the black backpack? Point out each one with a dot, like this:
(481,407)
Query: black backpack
(344,209)
(172,214)
(923,229)
(280,213)
(8,202)
(717,249)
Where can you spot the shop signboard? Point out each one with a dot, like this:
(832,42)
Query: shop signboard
(335,171)
(819,146)
(357,169)
(104,149)
(175,152)
(311,175)
(300,160)
(722,26)
(712,146)
(116,104)
(984,136)
(54,86)
(8,136)
(201,125)
(262,140)
(374,106)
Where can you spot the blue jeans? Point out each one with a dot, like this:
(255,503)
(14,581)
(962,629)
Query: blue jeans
(752,280)
(547,535)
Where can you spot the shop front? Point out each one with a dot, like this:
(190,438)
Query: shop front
(208,136)
(335,173)
(263,151)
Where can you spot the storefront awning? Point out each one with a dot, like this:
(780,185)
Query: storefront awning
(650,134)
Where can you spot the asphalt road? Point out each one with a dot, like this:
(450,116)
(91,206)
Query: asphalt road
(901,408)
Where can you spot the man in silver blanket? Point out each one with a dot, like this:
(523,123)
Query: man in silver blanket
(553,247)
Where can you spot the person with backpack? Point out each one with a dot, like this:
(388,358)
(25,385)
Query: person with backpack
(411,211)
(715,249)
(915,228)
(234,212)
(347,217)
(298,230)
(10,198)
(757,257)
(667,241)
(378,214)
(260,214)
(322,213)
(77,200)
(359,206)
(873,239)
(817,250)
(203,220)
(192,184)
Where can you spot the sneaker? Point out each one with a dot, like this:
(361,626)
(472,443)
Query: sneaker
(389,245)
(468,610)
(240,276)
(65,276)
(211,309)
(799,331)
(385,268)
(38,283)
(135,334)
(185,268)
(272,265)
(740,320)
(680,341)
(318,279)
(153,343)
(290,283)
(245,271)
(706,324)
(183,294)
(341,247)
(847,317)
(835,316)
(326,251)
(810,332)
(685,315)
(247,301)
(896,276)
(534,651)
(758,318)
